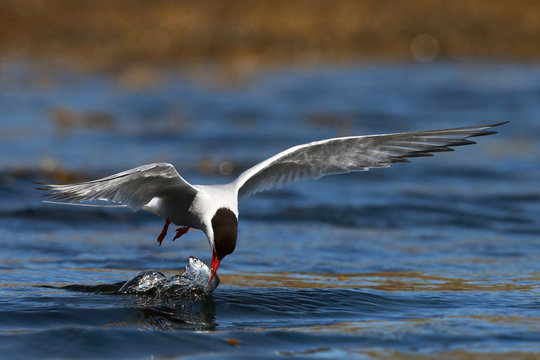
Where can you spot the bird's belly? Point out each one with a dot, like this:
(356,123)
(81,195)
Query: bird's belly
(183,220)
(176,210)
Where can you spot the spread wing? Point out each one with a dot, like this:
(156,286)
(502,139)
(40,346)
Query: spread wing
(354,153)
(133,188)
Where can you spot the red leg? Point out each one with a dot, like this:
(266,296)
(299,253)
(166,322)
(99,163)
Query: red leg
(180,231)
(164,231)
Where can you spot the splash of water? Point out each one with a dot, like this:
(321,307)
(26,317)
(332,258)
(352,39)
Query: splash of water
(193,281)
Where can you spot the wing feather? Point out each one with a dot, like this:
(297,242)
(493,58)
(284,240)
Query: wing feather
(354,153)
(133,188)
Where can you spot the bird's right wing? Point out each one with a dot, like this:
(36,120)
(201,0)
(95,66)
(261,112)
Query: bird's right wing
(353,153)
(133,188)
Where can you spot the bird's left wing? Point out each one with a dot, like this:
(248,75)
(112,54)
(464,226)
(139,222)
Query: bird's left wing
(347,154)
(133,188)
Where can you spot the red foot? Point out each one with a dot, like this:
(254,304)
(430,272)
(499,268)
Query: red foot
(180,231)
(164,231)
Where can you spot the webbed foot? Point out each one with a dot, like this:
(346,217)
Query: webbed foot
(180,231)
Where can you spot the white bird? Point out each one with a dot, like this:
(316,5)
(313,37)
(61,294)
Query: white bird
(159,189)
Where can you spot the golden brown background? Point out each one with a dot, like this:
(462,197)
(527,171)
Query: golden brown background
(109,34)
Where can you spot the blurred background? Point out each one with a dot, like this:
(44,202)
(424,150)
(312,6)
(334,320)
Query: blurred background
(121,33)
(136,66)
(435,258)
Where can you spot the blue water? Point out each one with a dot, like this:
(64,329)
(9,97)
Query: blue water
(439,257)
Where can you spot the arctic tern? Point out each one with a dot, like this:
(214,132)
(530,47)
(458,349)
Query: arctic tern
(159,189)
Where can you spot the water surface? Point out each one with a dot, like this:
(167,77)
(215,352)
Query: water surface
(440,257)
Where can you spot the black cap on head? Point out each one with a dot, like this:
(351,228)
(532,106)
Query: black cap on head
(225,226)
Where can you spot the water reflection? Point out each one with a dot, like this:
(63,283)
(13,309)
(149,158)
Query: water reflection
(396,281)
(169,313)
(151,308)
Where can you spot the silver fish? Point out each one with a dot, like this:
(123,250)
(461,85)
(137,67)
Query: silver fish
(198,272)
(194,280)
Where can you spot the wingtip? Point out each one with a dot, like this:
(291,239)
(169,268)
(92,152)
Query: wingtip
(500,123)
(492,126)
(41,186)
(482,132)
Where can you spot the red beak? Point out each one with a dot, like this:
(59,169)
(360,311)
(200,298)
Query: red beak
(214,265)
